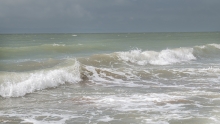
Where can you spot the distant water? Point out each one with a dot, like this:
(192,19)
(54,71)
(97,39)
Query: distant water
(141,78)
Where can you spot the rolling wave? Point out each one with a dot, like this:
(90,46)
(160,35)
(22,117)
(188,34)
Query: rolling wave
(111,69)
(169,56)
(19,84)
(207,51)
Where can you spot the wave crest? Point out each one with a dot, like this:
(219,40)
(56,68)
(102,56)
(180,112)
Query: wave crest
(169,56)
(164,57)
(206,51)
(102,69)
(23,83)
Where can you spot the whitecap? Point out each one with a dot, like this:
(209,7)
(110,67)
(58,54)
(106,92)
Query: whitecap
(22,83)
(164,57)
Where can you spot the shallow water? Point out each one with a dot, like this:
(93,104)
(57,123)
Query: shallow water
(153,78)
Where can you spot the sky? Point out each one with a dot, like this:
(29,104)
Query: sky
(108,16)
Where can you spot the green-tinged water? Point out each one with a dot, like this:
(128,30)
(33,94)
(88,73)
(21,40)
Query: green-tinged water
(153,78)
(40,46)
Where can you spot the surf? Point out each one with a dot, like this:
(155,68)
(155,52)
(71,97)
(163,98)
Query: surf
(122,68)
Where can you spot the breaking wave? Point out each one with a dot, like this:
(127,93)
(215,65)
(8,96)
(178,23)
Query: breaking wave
(207,51)
(164,57)
(109,69)
(169,56)
(19,84)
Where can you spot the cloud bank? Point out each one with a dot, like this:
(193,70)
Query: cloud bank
(84,16)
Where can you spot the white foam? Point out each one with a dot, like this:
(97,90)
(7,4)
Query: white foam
(58,44)
(94,76)
(136,101)
(22,83)
(40,117)
(167,106)
(106,119)
(164,57)
(111,76)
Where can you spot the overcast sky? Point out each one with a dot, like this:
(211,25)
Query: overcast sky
(92,16)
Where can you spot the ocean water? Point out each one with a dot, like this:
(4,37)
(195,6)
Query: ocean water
(126,78)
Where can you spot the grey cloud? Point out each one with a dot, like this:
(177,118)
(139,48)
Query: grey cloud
(109,15)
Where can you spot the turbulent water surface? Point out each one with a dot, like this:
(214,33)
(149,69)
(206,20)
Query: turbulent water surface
(143,78)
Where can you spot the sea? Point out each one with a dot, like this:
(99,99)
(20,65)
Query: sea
(110,78)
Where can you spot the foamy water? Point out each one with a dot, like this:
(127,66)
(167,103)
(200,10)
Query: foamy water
(110,78)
